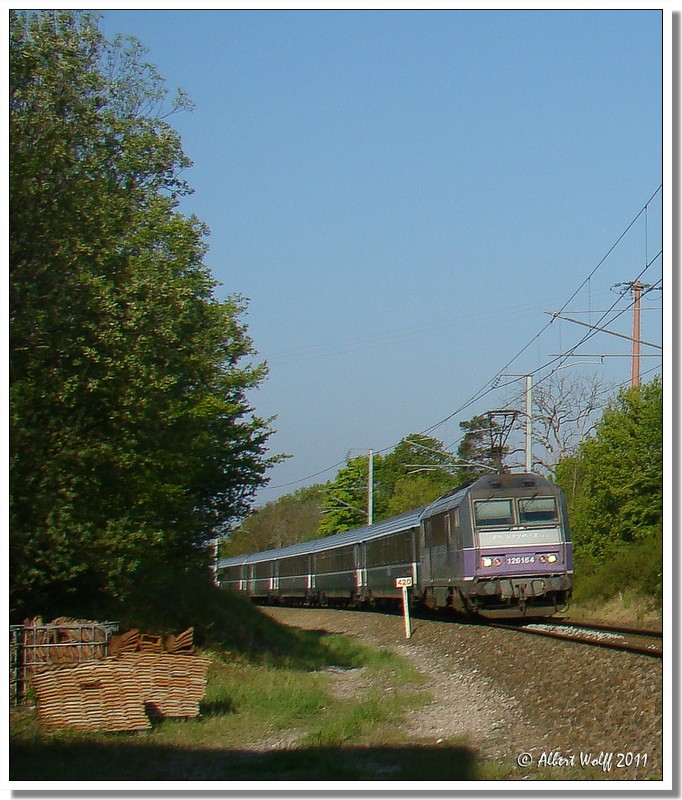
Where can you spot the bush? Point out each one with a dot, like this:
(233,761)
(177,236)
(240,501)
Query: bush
(634,567)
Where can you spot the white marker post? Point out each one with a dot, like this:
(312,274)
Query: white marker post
(404,584)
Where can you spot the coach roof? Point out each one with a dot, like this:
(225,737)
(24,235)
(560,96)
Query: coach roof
(386,527)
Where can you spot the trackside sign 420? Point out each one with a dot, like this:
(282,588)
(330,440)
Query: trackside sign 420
(400,582)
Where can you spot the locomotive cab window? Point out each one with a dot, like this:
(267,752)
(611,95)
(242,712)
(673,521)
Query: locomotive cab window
(537,509)
(493,512)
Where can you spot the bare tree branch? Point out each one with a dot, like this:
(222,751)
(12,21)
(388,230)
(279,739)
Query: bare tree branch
(566,409)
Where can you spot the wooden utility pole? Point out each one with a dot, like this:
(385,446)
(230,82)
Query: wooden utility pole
(636,288)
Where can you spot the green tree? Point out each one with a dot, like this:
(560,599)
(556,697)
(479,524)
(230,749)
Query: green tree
(413,474)
(414,491)
(344,500)
(417,453)
(417,471)
(132,439)
(475,455)
(289,519)
(615,482)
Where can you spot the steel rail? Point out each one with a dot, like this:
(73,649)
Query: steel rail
(613,645)
(598,626)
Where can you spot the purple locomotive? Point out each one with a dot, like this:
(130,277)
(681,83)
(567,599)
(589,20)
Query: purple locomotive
(499,547)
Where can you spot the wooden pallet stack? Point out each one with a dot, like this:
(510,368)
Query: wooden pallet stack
(135,682)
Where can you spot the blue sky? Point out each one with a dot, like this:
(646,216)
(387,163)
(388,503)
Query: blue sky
(402,195)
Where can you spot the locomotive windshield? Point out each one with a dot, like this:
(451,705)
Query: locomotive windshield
(517,521)
(537,509)
(530,511)
(493,512)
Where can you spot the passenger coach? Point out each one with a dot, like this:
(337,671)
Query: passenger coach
(347,568)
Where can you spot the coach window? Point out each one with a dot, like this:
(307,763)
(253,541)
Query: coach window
(493,512)
(454,525)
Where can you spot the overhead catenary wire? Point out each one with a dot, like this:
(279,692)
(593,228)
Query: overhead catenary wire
(564,357)
(493,384)
(395,336)
(308,477)
(571,353)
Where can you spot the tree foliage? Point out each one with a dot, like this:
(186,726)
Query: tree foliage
(413,474)
(418,471)
(614,484)
(290,519)
(475,454)
(417,490)
(132,440)
(345,499)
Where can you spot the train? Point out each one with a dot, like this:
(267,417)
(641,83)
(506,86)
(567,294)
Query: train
(498,547)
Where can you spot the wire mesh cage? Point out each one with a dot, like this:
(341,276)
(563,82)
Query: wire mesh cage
(15,682)
(35,645)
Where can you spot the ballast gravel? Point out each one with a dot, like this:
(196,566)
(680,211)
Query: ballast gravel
(523,701)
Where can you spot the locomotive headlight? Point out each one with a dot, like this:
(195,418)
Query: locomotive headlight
(486,561)
(551,558)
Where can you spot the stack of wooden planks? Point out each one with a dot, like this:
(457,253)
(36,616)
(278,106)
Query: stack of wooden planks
(122,692)
(98,696)
(172,685)
(133,640)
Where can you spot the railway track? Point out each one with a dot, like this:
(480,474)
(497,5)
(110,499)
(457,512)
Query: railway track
(632,640)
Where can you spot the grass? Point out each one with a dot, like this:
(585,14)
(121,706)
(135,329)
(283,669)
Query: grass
(270,713)
(371,722)
(626,608)
(251,702)
(262,721)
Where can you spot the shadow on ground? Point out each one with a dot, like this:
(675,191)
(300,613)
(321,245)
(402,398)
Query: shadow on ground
(130,762)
